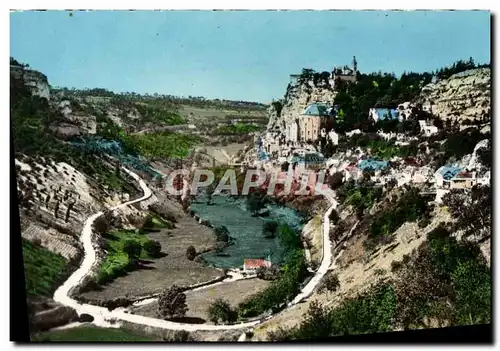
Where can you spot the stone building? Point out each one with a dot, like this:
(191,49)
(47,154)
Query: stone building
(313,120)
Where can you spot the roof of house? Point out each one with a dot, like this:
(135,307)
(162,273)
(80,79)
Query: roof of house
(256,262)
(448,172)
(411,161)
(464,175)
(316,109)
(373,164)
(387,113)
(311,158)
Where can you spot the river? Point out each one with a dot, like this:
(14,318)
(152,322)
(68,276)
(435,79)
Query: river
(245,229)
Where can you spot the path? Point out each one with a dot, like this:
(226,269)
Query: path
(104,317)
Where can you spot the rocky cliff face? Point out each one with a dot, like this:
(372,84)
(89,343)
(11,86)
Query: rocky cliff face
(37,82)
(464,95)
(296,99)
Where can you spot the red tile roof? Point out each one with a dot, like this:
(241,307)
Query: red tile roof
(256,263)
(464,174)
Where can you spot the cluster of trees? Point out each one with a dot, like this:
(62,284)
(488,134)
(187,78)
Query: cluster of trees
(280,291)
(471,209)
(379,147)
(443,280)
(288,280)
(197,101)
(256,201)
(236,129)
(460,143)
(375,90)
(309,74)
(457,67)
(410,207)
(160,144)
(361,196)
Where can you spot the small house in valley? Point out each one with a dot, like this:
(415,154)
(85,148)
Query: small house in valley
(250,265)
(444,174)
(463,180)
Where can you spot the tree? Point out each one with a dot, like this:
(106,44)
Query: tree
(221,311)
(336,180)
(472,210)
(190,252)
(103,223)
(329,282)
(153,248)
(133,250)
(172,303)
(222,234)
(255,202)
(485,156)
(334,217)
(316,323)
(269,229)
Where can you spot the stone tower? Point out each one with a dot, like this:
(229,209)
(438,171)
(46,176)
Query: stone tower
(354,64)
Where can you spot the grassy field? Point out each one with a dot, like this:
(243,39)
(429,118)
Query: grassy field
(42,269)
(85,334)
(161,144)
(117,261)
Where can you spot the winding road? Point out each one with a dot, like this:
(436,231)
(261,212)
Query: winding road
(106,318)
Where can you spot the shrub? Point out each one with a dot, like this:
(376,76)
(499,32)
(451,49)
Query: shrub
(222,234)
(220,310)
(172,303)
(152,248)
(269,229)
(330,282)
(190,253)
(424,222)
(133,250)
(334,217)
(396,265)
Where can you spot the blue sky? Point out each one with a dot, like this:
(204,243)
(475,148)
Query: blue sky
(242,55)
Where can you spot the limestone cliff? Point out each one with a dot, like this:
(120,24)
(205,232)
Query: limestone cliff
(296,99)
(37,82)
(465,95)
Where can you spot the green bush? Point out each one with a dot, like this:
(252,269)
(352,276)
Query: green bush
(221,311)
(190,253)
(152,248)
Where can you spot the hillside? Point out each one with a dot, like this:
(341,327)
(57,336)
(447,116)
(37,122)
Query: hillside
(70,146)
(465,96)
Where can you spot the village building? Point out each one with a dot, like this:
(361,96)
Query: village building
(250,265)
(463,180)
(381,114)
(351,171)
(373,165)
(427,128)
(485,179)
(405,110)
(292,132)
(353,132)
(444,174)
(345,74)
(308,161)
(312,120)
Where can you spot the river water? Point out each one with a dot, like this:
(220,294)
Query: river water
(245,229)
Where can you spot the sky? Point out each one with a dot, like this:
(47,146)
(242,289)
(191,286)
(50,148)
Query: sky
(239,55)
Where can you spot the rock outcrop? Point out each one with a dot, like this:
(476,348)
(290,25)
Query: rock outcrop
(465,95)
(37,82)
(297,98)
